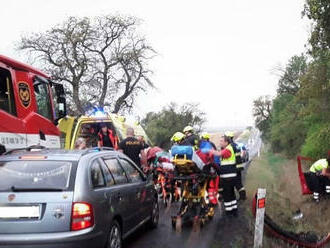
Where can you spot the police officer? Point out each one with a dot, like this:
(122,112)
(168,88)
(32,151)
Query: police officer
(239,165)
(132,147)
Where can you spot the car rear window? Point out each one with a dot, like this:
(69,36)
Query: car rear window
(38,175)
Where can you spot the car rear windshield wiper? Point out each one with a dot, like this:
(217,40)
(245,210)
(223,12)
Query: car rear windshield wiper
(23,189)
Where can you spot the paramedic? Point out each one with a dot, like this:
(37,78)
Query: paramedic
(106,137)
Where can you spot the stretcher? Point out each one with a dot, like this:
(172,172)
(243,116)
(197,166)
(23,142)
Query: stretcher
(194,208)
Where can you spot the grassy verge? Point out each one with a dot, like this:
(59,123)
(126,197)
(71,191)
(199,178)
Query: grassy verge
(280,177)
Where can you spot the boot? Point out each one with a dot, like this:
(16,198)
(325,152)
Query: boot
(235,212)
(242,195)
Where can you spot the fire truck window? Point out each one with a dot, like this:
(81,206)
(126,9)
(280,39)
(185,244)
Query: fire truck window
(42,94)
(7,101)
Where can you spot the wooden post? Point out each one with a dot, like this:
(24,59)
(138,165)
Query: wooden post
(260,214)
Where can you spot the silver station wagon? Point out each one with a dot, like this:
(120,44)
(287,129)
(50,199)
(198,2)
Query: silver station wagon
(83,198)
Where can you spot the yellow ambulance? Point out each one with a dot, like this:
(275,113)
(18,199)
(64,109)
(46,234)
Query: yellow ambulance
(88,127)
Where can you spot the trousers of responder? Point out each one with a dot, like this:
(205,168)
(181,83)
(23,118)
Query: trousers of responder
(318,184)
(240,167)
(239,185)
(212,190)
(228,181)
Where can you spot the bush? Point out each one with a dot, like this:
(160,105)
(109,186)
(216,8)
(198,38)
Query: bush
(317,143)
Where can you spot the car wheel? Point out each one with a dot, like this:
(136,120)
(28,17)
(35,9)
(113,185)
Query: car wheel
(114,239)
(153,223)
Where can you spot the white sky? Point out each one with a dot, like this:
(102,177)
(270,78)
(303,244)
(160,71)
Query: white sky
(219,53)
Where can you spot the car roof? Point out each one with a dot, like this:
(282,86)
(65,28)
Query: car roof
(55,154)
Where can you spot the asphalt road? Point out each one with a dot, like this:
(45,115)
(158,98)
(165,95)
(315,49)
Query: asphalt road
(217,231)
(166,237)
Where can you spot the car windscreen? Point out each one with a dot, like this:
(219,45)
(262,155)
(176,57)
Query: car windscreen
(35,175)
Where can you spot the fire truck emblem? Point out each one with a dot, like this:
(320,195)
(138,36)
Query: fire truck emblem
(11,197)
(24,94)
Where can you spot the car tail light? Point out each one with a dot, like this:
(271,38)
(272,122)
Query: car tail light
(82,216)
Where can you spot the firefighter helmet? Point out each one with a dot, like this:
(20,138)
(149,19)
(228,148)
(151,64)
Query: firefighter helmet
(205,135)
(229,134)
(188,129)
(178,136)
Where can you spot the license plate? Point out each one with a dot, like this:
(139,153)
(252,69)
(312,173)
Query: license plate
(17,212)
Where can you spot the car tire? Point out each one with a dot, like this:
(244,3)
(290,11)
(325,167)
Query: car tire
(154,218)
(114,237)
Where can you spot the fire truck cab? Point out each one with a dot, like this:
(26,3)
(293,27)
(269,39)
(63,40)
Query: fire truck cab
(30,106)
(88,127)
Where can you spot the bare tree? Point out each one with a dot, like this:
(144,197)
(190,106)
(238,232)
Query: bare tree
(102,61)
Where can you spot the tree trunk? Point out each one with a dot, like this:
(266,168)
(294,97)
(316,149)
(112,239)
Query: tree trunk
(75,95)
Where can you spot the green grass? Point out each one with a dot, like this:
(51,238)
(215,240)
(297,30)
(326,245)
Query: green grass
(280,178)
(261,174)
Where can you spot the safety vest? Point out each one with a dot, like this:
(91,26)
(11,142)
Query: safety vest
(231,160)
(319,165)
(227,167)
(112,138)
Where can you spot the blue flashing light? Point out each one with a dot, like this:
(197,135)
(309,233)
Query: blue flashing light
(99,113)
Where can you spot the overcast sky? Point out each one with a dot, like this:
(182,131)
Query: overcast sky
(219,53)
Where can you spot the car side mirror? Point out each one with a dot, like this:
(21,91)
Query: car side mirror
(60,101)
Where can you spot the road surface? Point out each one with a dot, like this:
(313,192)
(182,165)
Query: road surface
(216,233)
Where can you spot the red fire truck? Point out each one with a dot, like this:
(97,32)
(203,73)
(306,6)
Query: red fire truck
(30,106)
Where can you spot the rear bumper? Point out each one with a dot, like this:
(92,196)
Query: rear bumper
(77,239)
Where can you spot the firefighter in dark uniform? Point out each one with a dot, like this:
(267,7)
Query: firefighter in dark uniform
(239,165)
(228,174)
(319,177)
(191,138)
